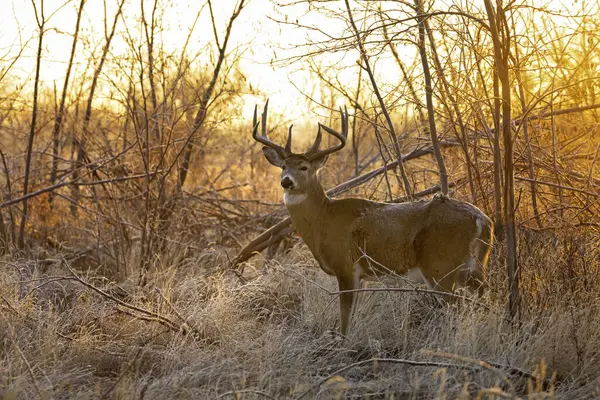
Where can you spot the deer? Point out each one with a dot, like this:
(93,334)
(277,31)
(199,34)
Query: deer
(446,241)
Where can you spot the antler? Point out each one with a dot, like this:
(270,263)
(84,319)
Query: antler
(314,151)
(263,137)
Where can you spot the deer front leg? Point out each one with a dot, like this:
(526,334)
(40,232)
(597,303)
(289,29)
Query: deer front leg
(346,301)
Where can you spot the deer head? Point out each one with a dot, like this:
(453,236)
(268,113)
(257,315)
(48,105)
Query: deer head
(298,170)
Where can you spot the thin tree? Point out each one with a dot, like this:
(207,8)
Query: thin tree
(501,44)
(367,67)
(429,98)
(208,93)
(150,36)
(81,144)
(40,19)
(525,124)
(61,109)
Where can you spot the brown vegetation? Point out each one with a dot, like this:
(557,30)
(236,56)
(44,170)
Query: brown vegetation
(135,204)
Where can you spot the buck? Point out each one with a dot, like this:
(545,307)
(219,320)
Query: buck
(447,241)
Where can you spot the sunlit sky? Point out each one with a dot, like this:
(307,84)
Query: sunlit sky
(262,40)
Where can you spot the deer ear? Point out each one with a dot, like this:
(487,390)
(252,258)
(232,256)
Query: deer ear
(273,156)
(320,162)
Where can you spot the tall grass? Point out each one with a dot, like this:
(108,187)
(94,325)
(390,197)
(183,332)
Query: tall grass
(272,333)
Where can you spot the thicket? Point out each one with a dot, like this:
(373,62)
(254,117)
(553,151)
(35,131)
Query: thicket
(135,206)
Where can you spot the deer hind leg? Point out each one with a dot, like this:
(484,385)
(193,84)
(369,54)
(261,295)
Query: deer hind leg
(474,275)
(417,276)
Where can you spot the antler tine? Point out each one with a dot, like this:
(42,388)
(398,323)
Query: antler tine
(317,143)
(263,119)
(315,153)
(288,144)
(263,137)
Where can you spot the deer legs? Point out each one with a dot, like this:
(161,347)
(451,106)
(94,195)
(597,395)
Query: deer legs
(346,302)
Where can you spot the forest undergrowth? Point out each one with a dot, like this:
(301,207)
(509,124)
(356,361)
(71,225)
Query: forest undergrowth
(201,331)
(135,201)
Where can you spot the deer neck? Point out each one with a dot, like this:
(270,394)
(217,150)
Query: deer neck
(310,201)
(307,211)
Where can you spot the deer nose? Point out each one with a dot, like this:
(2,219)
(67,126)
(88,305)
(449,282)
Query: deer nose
(287,183)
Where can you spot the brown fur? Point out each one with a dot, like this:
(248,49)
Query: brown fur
(352,239)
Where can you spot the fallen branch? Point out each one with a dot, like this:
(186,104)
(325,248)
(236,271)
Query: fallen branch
(149,315)
(284,228)
(359,180)
(236,394)
(486,364)
(264,240)
(389,361)
(478,366)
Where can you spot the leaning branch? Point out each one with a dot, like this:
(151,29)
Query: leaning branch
(557,186)
(490,365)
(68,183)
(207,95)
(152,316)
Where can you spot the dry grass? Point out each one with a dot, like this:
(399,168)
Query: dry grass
(271,337)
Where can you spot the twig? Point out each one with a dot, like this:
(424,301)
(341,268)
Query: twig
(387,360)
(490,365)
(29,368)
(112,387)
(10,306)
(48,281)
(167,322)
(69,183)
(556,185)
(392,289)
(177,313)
(236,392)
(409,290)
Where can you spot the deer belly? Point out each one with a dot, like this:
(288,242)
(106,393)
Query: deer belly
(324,265)
(328,271)
(375,264)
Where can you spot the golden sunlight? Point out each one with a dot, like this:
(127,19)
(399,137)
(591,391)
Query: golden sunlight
(262,44)
(298,199)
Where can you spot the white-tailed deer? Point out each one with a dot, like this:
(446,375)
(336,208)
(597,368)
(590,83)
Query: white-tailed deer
(447,240)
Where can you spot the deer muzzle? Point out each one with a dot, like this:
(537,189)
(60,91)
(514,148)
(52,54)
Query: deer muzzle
(287,183)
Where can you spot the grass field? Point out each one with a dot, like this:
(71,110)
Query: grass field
(202,332)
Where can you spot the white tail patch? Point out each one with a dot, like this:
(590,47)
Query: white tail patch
(472,265)
(479,222)
(291,199)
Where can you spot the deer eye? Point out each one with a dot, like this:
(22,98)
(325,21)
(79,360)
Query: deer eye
(304,168)
(283,168)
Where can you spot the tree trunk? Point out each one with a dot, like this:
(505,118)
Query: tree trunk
(61,110)
(429,98)
(41,20)
(501,56)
